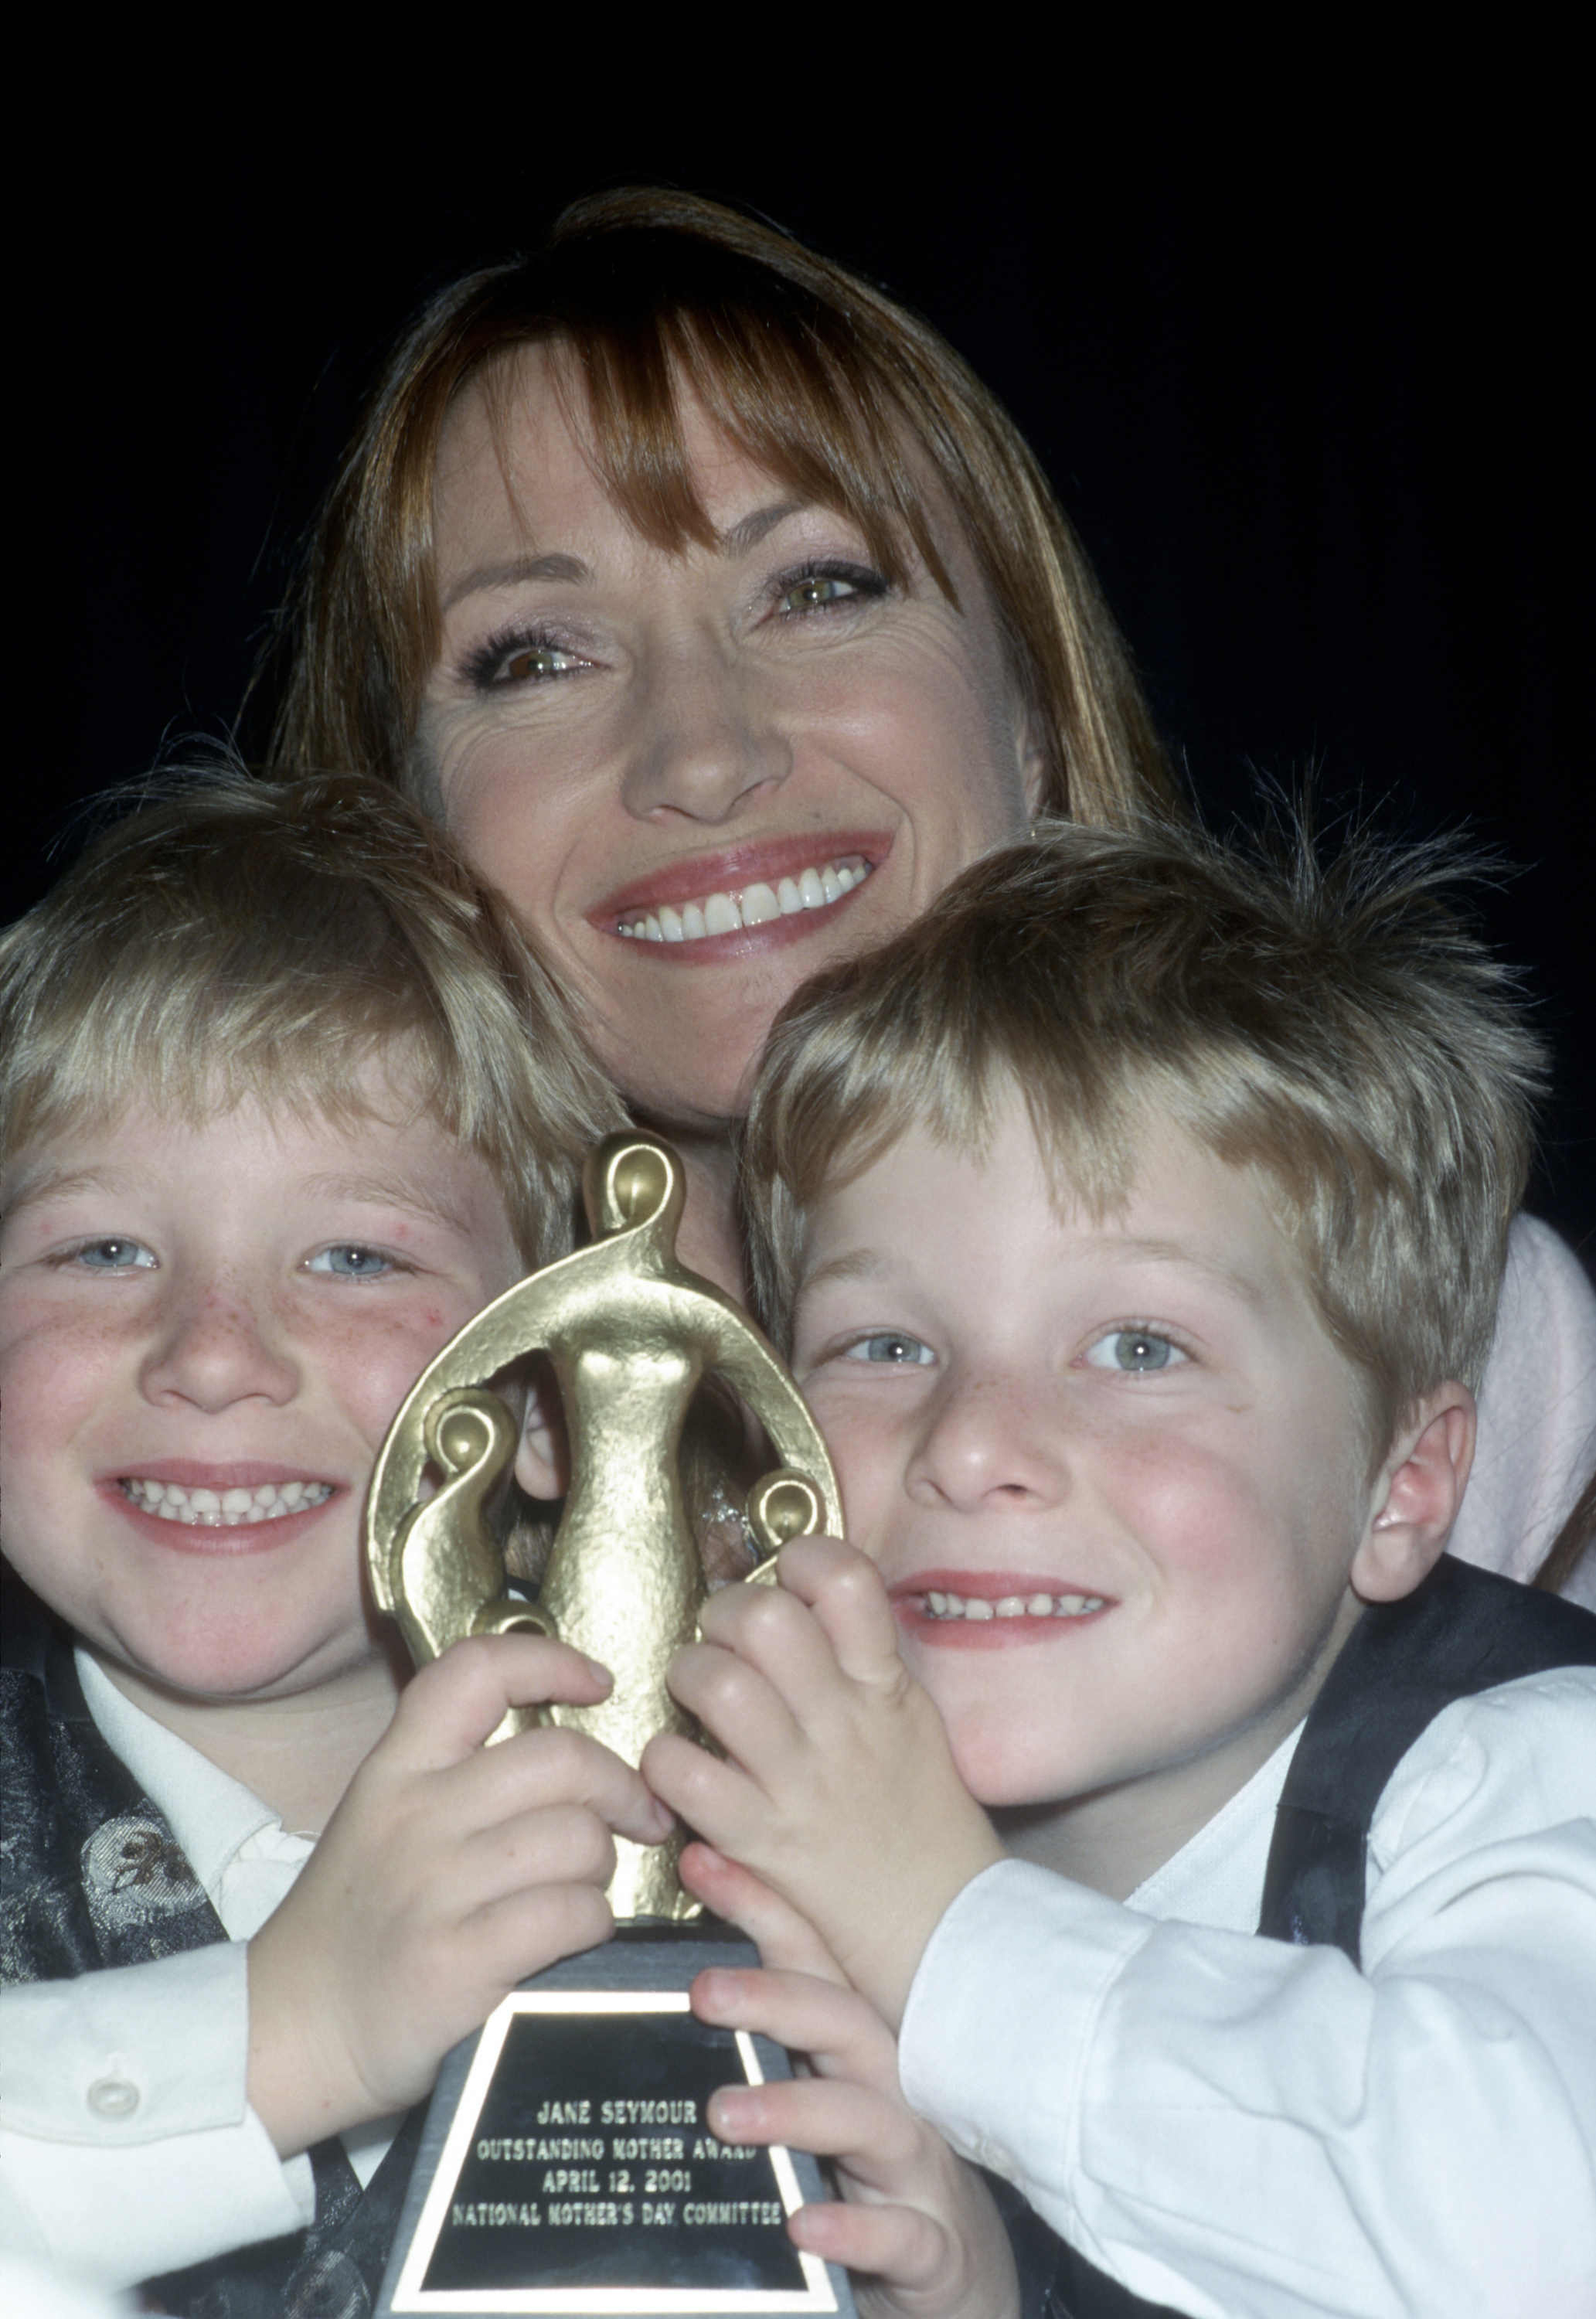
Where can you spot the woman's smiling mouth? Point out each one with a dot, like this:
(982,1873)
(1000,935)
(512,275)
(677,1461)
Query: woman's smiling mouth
(768,891)
(816,888)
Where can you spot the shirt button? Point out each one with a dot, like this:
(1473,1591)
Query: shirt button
(112,2097)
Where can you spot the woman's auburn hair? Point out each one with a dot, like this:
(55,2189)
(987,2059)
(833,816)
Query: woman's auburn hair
(814,374)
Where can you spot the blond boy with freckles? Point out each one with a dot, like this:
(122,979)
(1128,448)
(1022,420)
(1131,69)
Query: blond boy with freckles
(285,1099)
(1134,1226)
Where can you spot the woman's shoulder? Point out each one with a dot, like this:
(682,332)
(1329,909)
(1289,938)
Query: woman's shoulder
(1537,1411)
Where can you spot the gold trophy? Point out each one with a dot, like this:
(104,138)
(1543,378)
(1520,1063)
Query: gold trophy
(565,2166)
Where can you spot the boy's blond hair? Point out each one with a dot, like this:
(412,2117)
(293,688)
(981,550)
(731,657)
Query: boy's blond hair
(1339,1029)
(236,940)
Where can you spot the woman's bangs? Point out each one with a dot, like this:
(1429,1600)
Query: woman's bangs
(816,421)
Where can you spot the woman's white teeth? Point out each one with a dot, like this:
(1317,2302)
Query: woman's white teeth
(753,905)
(226,1508)
(978,1606)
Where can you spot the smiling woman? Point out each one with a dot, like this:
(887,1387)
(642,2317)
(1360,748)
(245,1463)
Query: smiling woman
(729,759)
(712,600)
(725,618)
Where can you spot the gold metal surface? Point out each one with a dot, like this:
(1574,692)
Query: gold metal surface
(629,1334)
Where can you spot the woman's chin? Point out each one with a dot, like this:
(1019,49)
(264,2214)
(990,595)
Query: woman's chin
(688,1091)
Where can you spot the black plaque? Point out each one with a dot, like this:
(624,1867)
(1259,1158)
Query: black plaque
(567,2168)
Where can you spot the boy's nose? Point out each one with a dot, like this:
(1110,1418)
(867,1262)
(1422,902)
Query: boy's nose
(992,1443)
(214,1348)
(702,734)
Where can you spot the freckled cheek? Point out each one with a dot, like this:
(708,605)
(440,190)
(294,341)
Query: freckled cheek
(52,1374)
(373,1364)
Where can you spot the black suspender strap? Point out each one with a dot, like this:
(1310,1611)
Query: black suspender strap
(1462,1632)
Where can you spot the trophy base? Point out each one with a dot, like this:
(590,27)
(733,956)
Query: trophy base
(565,2166)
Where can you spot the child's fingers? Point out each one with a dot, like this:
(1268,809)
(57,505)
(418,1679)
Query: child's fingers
(523,1932)
(784,1938)
(452,1704)
(535,1773)
(893,2243)
(768,1628)
(875,2139)
(714,1797)
(842,2035)
(554,1844)
(733,1694)
(844,1593)
(902,2250)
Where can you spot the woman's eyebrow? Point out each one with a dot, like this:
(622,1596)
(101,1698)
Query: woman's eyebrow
(745,536)
(516,572)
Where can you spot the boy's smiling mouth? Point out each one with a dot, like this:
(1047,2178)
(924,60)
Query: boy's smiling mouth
(989,1608)
(234,1508)
(937,1604)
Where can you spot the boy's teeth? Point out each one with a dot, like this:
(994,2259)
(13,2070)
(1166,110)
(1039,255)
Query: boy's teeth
(227,1509)
(752,905)
(979,1607)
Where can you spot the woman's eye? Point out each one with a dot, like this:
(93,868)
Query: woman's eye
(813,590)
(520,659)
(1136,1351)
(892,1349)
(114,1256)
(350,1260)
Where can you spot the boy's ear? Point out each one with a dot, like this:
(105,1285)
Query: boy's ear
(1417,1495)
(543,1462)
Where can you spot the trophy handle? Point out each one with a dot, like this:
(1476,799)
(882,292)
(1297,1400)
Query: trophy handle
(781,1505)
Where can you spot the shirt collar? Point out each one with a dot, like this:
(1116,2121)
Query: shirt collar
(211,1814)
(1216,1878)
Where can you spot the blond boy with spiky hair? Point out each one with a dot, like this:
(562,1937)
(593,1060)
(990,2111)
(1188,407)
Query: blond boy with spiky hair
(285,1099)
(1134,1224)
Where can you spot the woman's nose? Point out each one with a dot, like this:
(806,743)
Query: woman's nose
(213,1348)
(704,735)
(991,1443)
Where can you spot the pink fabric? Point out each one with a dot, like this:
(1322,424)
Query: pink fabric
(1537,1414)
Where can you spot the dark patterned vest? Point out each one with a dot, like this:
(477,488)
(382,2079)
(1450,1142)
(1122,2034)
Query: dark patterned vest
(91,1876)
(1462,1632)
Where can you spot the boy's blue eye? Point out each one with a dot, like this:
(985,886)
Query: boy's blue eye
(349,1260)
(114,1256)
(1137,1352)
(892,1348)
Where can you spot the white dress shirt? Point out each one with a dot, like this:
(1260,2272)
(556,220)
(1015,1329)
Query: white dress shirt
(1247,2130)
(127,2146)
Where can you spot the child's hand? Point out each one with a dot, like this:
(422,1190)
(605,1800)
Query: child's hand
(839,1791)
(449,1872)
(915,2226)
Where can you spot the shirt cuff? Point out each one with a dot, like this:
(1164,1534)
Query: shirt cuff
(1001,2014)
(126,2137)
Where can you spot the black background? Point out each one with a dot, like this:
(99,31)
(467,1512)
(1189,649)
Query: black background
(1295,325)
